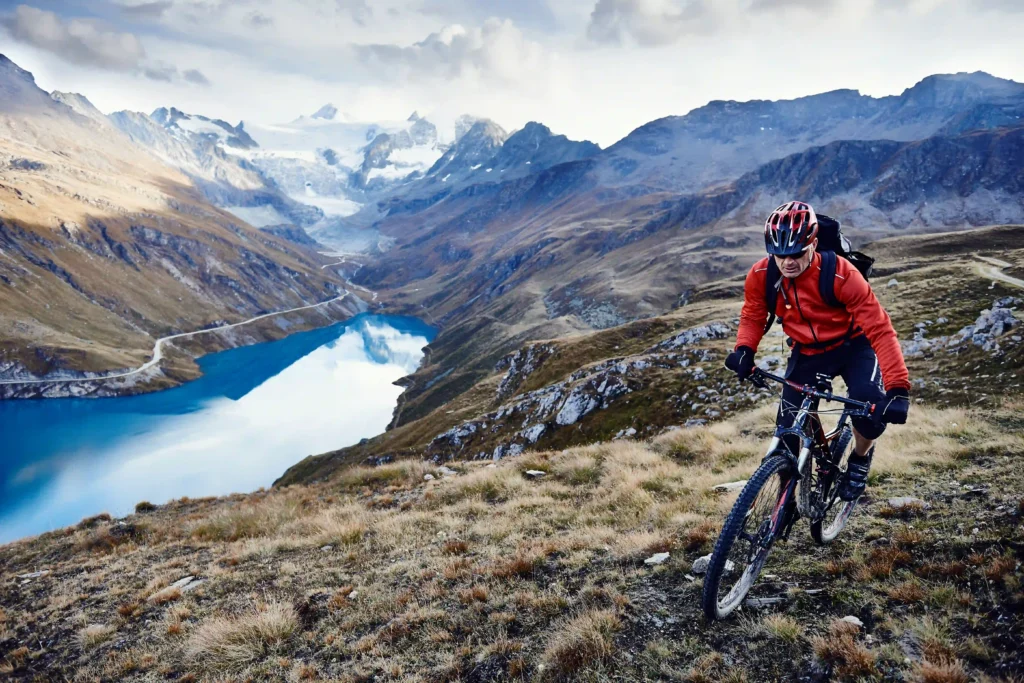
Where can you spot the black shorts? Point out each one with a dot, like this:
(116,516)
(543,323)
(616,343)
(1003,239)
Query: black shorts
(855,362)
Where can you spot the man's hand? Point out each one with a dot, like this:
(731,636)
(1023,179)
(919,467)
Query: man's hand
(741,361)
(893,410)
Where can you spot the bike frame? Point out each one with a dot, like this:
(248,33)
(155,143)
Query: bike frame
(809,440)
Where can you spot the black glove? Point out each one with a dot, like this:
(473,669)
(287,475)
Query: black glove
(893,410)
(741,361)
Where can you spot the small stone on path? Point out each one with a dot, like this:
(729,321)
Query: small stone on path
(656,558)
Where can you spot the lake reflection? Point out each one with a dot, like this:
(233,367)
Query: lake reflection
(255,412)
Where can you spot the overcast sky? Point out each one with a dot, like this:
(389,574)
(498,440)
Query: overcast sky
(592,69)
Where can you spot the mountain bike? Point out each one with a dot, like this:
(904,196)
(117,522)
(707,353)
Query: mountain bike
(786,486)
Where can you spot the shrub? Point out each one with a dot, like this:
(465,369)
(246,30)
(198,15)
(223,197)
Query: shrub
(144,507)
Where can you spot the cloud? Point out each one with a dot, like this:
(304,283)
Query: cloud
(497,49)
(79,41)
(85,42)
(147,10)
(258,20)
(358,9)
(195,76)
(645,22)
(160,72)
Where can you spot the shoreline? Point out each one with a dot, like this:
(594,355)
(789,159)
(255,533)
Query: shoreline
(153,376)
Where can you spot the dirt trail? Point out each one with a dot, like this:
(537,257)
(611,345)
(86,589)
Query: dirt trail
(994,271)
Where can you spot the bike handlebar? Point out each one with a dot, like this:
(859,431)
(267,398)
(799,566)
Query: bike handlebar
(759,376)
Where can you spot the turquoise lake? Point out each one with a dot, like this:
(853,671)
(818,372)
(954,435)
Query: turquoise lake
(256,411)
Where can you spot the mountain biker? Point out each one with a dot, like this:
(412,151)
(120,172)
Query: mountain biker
(857,341)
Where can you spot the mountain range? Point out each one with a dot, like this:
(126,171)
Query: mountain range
(501,238)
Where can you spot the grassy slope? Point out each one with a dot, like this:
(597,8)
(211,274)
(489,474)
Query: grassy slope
(485,574)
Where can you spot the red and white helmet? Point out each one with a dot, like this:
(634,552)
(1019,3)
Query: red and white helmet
(790,229)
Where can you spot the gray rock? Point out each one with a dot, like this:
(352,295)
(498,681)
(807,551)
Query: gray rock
(850,619)
(428,477)
(182,582)
(906,501)
(535,474)
(892,283)
(656,558)
(731,486)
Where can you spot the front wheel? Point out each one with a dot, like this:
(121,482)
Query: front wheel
(834,512)
(748,535)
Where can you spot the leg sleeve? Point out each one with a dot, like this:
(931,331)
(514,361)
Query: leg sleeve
(864,379)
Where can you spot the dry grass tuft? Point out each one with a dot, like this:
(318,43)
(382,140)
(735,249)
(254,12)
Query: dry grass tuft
(477,593)
(165,595)
(840,651)
(519,565)
(948,570)
(882,561)
(781,627)
(699,537)
(907,591)
(257,519)
(340,598)
(94,521)
(95,634)
(454,547)
(907,537)
(130,610)
(143,507)
(946,672)
(228,642)
(843,566)
(1000,567)
(579,644)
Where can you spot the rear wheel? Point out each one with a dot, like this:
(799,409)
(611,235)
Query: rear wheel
(836,512)
(748,535)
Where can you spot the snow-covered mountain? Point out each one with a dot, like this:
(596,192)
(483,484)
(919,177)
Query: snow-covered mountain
(337,164)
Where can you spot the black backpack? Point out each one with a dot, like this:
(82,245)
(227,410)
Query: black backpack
(831,245)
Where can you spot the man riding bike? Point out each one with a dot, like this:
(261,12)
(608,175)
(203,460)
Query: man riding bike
(856,341)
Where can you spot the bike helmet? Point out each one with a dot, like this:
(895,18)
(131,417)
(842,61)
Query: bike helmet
(790,229)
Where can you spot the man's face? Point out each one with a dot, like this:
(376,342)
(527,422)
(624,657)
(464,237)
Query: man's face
(792,266)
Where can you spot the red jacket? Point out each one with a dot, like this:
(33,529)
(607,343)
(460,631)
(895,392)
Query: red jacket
(807,319)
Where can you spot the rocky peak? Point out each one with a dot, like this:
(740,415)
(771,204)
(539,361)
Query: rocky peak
(415,116)
(326,112)
(80,104)
(955,90)
(168,117)
(423,132)
(534,148)
(11,71)
(18,89)
(463,125)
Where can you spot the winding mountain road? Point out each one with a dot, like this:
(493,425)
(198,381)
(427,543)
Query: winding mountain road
(995,271)
(158,348)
